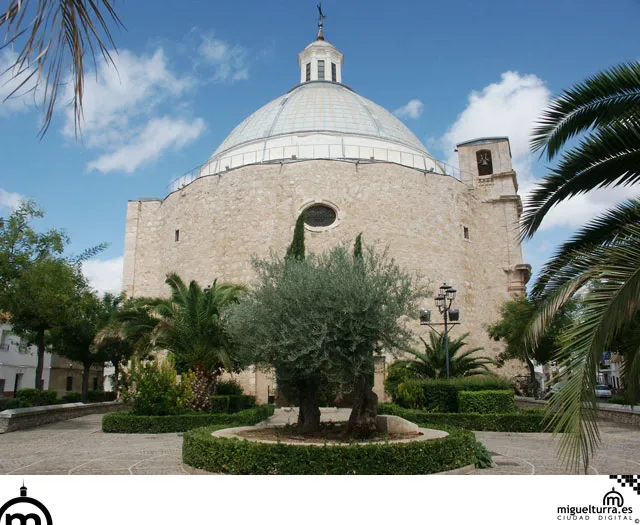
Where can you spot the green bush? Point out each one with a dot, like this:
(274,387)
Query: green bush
(99,396)
(528,420)
(441,395)
(201,450)
(220,404)
(228,388)
(130,423)
(31,397)
(7,403)
(155,390)
(397,373)
(483,456)
(231,404)
(71,397)
(487,401)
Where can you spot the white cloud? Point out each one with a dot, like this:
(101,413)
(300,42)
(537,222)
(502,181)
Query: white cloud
(10,80)
(229,61)
(157,136)
(10,199)
(506,108)
(412,109)
(116,96)
(104,276)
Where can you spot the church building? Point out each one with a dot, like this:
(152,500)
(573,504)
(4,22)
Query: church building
(354,168)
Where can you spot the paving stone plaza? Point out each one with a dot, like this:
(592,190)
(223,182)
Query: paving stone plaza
(79,446)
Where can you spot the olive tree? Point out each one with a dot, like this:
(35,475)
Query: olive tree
(320,321)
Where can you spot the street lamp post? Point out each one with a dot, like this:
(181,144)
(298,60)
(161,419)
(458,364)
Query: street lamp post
(443,301)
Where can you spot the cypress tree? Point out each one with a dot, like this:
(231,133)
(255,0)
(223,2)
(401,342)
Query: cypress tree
(357,248)
(296,250)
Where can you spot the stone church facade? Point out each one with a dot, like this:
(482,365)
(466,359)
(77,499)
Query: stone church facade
(355,168)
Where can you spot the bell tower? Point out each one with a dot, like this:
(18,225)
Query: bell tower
(486,167)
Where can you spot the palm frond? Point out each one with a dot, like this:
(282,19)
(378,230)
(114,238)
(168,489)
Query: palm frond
(56,39)
(600,100)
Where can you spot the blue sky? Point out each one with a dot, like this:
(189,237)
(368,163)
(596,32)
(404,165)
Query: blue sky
(189,72)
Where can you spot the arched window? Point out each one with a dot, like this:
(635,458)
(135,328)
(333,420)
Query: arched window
(485,164)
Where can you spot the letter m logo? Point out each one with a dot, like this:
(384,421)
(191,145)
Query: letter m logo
(23,519)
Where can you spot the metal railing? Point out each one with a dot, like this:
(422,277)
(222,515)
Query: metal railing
(290,154)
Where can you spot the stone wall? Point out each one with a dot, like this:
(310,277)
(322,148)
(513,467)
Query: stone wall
(224,220)
(21,418)
(609,412)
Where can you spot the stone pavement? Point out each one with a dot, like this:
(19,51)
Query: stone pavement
(79,446)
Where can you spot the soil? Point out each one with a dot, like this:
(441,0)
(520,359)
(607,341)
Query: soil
(326,434)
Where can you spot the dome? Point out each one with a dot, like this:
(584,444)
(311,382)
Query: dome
(320,119)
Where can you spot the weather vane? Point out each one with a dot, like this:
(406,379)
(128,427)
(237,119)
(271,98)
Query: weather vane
(321,19)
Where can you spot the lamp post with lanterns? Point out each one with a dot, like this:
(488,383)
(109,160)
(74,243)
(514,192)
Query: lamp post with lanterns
(451,316)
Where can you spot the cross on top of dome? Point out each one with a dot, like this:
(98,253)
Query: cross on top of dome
(320,61)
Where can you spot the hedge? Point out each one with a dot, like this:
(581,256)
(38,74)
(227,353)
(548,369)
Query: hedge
(487,402)
(129,423)
(7,403)
(441,395)
(98,396)
(30,397)
(528,420)
(232,403)
(201,450)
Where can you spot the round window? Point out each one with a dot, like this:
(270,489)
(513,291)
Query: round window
(319,216)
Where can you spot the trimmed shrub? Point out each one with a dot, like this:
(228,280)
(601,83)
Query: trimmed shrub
(99,396)
(71,397)
(130,423)
(31,397)
(528,420)
(201,450)
(487,401)
(228,388)
(155,390)
(220,404)
(7,403)
(396,374)
(441,395)
(231,404)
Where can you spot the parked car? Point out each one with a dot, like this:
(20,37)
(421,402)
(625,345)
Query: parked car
(603,392)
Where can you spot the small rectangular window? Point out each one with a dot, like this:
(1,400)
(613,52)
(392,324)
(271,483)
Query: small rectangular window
(466,233)
(177,235)
(1,386)
(69,383)
(95,383)
(320,69)
(334,72)
(308,71)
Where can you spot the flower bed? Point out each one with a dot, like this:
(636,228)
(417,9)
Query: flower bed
(129,423)
(529,420)
(203,451)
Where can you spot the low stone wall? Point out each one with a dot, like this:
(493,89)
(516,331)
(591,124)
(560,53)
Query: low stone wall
(607,411)
(21,418)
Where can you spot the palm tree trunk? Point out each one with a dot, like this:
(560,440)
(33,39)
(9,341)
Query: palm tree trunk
(203,386)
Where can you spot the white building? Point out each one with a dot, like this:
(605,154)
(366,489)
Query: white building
(18,363)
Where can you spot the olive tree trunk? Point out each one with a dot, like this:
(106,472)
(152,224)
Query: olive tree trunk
(362,421)
(309,412)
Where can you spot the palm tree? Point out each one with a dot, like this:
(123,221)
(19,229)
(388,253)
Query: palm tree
(601,261)
(54,37)
(431,363)
(189,325)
